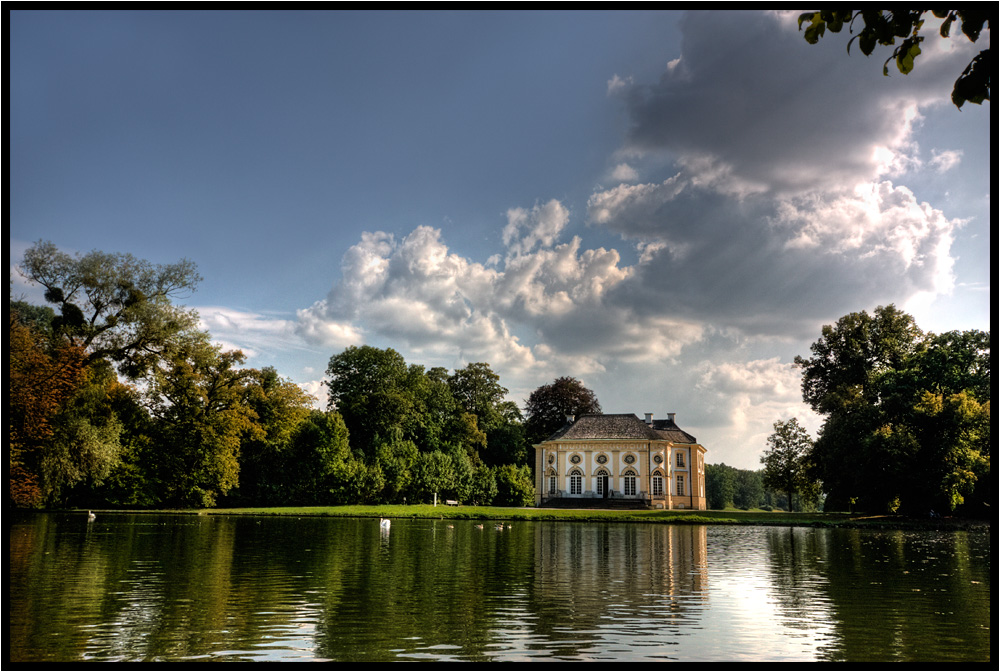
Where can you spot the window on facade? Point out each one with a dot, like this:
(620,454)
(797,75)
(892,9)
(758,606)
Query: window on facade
(575,483)
(552,485)
(680,459)
(628,483)
(657,486)
(680,485)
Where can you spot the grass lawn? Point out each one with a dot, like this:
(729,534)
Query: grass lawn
(727,517)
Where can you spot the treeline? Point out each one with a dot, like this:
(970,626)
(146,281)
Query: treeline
(729,487)
(115,398)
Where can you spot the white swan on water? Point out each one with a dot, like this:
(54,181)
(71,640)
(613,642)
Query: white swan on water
(91,516)
(384,523)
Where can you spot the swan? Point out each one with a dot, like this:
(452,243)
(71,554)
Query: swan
(91,516)
(384,523)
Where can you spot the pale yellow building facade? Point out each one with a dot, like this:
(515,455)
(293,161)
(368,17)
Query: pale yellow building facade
(620,457)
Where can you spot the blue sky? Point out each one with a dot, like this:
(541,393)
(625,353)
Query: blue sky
(665,205)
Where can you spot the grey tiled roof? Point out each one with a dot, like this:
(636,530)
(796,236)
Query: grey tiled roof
(669,430)
(621,426)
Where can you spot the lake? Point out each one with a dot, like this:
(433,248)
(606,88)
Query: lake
(150,587)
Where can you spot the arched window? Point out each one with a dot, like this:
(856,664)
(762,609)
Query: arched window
(628,483)
(576,482)
(552,482)
(657,484)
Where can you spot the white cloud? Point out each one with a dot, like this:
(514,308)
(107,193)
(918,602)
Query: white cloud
(253,333)
(746,398)
(617,84)
(624,173)
(944,160)
(539,226)
(561,297)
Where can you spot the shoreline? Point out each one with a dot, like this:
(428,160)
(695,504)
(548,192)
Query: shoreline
(483,513)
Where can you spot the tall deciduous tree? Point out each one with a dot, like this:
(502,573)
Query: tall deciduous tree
(785,462)
(547,407)
(281,407)
(368,387)
(884,442)
(198,401)
(873,27)
(114,306)
(477,390)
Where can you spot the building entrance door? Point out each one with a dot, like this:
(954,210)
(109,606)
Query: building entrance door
(604,486)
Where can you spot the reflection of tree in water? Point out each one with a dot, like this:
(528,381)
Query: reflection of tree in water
(887,595)
(797,575)
(594,582)
(421,592)
(169,587)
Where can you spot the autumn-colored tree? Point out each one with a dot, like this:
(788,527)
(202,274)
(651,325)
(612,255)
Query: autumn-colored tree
(41,378)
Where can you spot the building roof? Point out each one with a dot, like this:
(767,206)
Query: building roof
(620,426)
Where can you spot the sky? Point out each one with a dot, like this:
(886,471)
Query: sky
(667,206)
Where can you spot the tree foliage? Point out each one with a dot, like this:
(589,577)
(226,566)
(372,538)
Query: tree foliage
(193,428)
(884,27)
(114,306)
(904,413)
(41,379)
(198,402)
(786,465)
(547,407)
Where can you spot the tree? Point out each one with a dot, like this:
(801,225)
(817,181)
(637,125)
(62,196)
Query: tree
(477,390)
(369,388)
(720,488)
(851,358)
(41,379)
(547,407)
(431,473)
(514,485)
(281,408)
(198,401)
(748,489)
(884,27)
(785,462)
(880,382)
(86,443)
(114,306)
(308,468)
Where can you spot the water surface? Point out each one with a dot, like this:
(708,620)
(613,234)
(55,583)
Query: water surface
(238,588)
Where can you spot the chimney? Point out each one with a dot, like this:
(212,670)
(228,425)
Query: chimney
(649,418)
(671,416)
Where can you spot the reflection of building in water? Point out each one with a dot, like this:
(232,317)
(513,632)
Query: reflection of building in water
(593,458)
(577,563)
